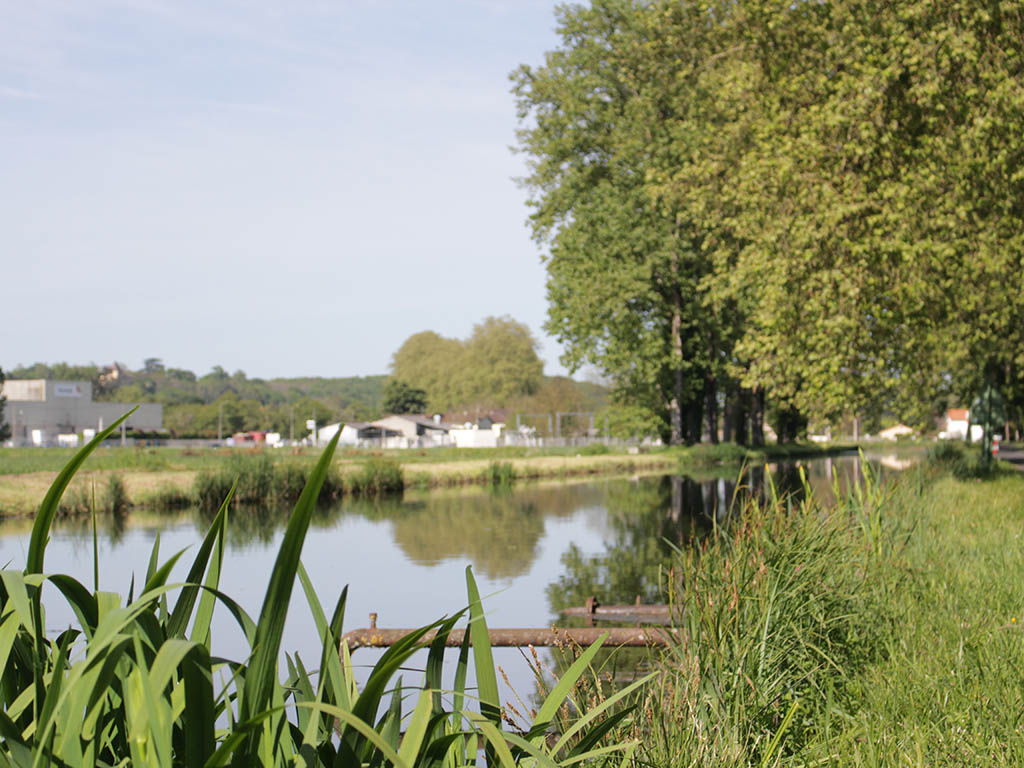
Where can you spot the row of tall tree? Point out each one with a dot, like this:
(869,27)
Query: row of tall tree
(810,208)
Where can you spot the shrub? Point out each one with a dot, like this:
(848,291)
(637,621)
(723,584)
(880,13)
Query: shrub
(377,476)
(500,473)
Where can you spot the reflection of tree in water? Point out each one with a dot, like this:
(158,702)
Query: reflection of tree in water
(498,532)
(651,516)
(648,517)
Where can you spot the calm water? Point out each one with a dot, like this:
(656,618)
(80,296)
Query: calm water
(533,549)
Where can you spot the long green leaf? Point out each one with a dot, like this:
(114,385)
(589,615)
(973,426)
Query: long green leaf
(51,502)
(566,683)
(187,599)
(483,660)
(261,677)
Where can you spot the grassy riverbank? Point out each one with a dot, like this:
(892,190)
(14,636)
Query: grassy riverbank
(884,632)
(167,477)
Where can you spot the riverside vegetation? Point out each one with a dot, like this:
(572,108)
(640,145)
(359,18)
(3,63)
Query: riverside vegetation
(135,682)
(168,478)
(882,630)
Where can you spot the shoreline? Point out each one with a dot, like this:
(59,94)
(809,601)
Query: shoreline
(161,476)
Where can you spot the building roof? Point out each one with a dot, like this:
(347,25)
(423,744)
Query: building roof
(957,414)
(427,422)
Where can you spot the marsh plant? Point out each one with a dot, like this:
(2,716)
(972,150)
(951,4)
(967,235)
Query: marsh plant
(134,682)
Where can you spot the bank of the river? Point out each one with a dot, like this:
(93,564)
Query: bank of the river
(164,476)
(886,633)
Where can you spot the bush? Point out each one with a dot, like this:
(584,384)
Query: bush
(377,476)
(961,460)
(500,473)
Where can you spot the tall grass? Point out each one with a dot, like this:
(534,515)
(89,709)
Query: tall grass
(135,683)
(880,630)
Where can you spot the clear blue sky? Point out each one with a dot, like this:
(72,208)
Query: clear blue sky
(286,188)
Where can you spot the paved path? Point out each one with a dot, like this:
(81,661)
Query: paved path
(1013,456)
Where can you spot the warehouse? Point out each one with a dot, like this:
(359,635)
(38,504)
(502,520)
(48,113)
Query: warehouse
(45,413)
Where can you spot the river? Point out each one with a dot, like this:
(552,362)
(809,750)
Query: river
(534,548)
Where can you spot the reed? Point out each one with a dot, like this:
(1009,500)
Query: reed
(500,474)
(375,477)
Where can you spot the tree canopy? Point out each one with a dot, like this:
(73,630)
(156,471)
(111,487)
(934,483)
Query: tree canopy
(498,362)
(813,204)
(399,397)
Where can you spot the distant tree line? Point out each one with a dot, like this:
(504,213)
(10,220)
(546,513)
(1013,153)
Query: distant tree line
(197,406)
(497,367)
(757,210)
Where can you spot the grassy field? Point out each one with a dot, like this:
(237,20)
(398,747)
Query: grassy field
(168,476)
(883,632)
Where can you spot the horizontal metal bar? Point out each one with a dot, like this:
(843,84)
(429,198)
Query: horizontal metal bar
(618,610)
(374,637)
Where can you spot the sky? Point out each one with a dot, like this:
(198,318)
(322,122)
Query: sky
(287,188)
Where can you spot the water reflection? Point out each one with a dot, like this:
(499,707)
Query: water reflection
(653,516)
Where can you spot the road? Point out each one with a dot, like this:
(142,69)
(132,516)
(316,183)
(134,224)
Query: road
(1013,455)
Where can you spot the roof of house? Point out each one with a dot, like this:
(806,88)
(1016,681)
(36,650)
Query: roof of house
(497,416)
(957,414)
(419,418)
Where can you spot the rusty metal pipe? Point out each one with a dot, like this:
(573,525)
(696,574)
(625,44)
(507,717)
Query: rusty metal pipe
(374,637)
(659,611)
(634,614)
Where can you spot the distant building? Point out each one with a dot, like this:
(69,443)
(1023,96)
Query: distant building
(894,433)
(478,430)
(416,430)
(353,432)
(957,421)
(43,412)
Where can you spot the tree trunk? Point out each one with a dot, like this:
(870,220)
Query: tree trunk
(711,410)
(739,417)
(694,420)
(727,415)
(676,403)
(757,418)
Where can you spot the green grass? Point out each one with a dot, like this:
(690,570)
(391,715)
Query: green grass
(884,631)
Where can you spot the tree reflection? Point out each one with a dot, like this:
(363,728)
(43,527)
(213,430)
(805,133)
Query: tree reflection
(498,531)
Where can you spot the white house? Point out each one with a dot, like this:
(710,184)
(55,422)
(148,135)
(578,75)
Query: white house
(353,432)
(415,430)
(957,421)
(473,436)
(896,432)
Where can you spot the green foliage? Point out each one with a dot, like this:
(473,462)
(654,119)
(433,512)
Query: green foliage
(135,682)
(5,428)
(960,460)
(500,474)
(816,200)
(628,421)
(400,397)
(497,363)
(375,477)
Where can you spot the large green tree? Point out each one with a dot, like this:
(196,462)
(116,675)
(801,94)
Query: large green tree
(497,363)
(817,202)
(626,270)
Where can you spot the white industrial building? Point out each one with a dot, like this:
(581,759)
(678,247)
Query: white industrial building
(43,412)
